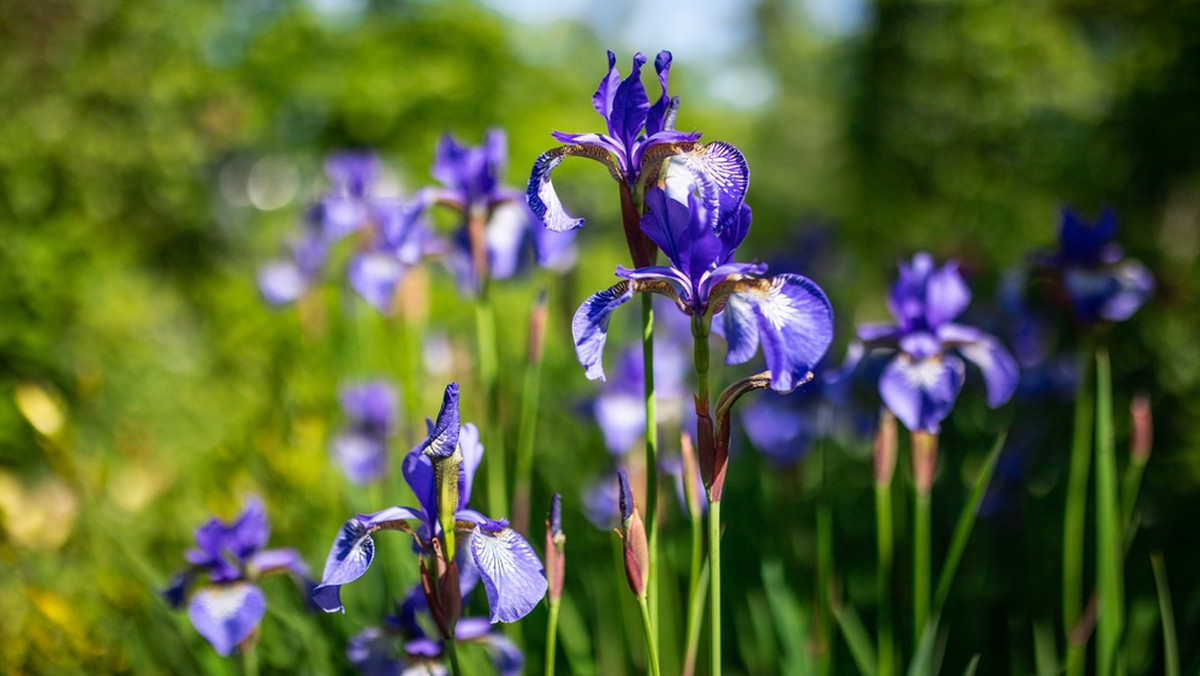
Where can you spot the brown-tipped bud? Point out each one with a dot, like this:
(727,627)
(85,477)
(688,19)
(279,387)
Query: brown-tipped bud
(712,463)
(1143,429)
(924,456)
(537,327)
(691,475)
(633,534)
(556,559)
(885,448)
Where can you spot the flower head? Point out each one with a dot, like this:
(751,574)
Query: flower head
(234,556)
(923,379)
(510,571)
(788,314)
(640,137)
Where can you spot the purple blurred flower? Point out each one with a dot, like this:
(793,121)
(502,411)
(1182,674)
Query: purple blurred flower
(288,279)
(1098,281)
(640,138)
(233,556)
(511,572)
(787,313)
(361,447)
(922,380)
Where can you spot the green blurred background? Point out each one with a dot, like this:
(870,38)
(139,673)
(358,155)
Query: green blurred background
(154,153)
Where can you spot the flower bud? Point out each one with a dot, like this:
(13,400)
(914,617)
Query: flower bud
(1143,429)
(556,560)
(885,448)
(633,534)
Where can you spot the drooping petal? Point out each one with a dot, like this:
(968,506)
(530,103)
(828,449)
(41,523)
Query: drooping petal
(375,275)
(1001,374)
(472,453)
(1135,285)
(590,326)
(361,457)
(443,438)
(540,194)
(352,553)
(511,571)
(739,328)
(794,322)
(226,614)
(722,177)
(505,235)
(630,106)
(921,393)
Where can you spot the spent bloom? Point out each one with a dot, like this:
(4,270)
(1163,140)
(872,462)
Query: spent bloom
(360,449)
(640,138)
(234,557)
(787,313)
(493,553)
(925,374)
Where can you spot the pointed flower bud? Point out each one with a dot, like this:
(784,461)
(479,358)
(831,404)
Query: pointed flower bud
(556,561)
(691,477)
(443,449)
(633,534)
(1143,429)
(885,448)
(537,327)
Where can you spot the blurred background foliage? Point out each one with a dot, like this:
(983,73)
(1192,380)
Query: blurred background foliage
(153,154)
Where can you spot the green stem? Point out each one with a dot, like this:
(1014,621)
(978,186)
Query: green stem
(552,638)
(651,646)
(651,513)
(452,653)
(1170,643)
(962,530)
(714,563)
(1109,544)
(250,657)
(698,597)
(921,537)
(1130,485)
(530,402)
(883,574)
(824,569)
(1075,512)
(485,329)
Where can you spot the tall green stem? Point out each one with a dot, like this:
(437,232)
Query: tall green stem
(924,453)
(530,403)
(824,567)
(485,329)
(651,643)
(883,574)
(1110,611)
(651,452)
(1074,514)
(714,564)
(552,638)
(452,653)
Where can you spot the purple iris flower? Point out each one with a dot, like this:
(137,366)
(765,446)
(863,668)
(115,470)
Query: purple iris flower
(404,646)
(234,556)
(511,572)
(1100,282)
(496,223)
(288,279)
(787,313)
(921,382)
(640,138)
(361,448)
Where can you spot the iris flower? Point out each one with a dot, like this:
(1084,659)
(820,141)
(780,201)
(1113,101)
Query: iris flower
(511,572)
(404,646)
(639,139)
(234,557)
(361,448)
(925,375)
(787,313)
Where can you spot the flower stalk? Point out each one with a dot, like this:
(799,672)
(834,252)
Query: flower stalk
(885,466)
(924,457)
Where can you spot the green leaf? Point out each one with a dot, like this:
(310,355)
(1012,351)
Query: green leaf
(966,521)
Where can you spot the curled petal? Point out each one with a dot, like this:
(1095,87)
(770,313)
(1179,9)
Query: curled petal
(352,553)
(543,200)
(590,326)
(921,393)
(793,319)
(722,176)
(511,572)
(227,614)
